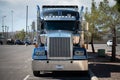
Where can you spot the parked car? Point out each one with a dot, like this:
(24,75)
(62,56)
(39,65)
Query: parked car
(10,41)
(1,42)
(19,42)
(109,43)
(34,41)
(27,42)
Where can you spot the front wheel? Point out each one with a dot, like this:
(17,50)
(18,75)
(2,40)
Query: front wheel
(36,73)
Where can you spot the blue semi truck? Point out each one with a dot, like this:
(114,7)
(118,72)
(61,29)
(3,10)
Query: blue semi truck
(59,40)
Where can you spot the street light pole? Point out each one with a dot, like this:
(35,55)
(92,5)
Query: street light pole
(3,25)
(26,19)
(12,24)
(7,31)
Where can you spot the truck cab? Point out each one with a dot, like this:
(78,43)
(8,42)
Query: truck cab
(59,45)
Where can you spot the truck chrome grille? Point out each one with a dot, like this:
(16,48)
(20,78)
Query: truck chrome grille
(59,47)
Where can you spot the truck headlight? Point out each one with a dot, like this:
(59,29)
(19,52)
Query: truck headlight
(79,53)
(40,53)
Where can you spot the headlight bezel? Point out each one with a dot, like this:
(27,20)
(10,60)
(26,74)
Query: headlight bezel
(76,38)
(79,53)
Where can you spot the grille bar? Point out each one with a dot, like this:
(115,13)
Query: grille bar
(59,47)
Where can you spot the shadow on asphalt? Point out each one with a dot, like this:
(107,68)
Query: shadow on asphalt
(67,75)
(104,70)
(102,67)
(93,57)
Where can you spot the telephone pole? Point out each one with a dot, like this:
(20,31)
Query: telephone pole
(12,24)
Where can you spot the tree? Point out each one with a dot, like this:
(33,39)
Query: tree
(109,20)
(20,35)
(91,18)
(118,5)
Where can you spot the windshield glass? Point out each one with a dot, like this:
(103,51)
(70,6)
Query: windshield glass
(60,25)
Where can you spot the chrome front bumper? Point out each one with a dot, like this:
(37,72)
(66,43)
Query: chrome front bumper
(60,65)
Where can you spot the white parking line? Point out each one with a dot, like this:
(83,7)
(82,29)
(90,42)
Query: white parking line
(26,77)
(92,76)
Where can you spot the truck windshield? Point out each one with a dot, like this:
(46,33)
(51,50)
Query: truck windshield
(61,13)
(60,25)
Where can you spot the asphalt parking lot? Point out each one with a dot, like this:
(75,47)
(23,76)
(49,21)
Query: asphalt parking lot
(15,64)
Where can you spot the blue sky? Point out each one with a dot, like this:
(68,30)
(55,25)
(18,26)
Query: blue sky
(19,10)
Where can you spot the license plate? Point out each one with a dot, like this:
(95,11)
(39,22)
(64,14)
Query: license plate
(59,67)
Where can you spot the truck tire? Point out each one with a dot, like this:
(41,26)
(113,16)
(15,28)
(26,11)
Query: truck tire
(36,73)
